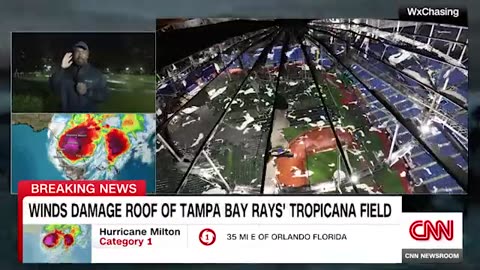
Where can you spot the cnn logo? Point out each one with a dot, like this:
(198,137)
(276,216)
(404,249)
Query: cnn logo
(423,230)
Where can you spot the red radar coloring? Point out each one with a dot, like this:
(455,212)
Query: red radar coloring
(117,143)
(68,240)
(51,240)
(78,142)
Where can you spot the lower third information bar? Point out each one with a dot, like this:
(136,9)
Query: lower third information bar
(113,222)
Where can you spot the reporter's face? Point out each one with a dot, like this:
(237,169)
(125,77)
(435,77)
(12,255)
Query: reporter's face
(80,56)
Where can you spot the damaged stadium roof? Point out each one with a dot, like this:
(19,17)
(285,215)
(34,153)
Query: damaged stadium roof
(314,106)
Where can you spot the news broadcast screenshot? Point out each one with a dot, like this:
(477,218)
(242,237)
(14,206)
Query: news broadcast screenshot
(243,140)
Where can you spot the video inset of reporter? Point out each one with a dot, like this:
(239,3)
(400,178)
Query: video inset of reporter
(83,106)
(83,72)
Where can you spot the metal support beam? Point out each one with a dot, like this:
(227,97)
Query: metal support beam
(457,38)
(463,54)
(327,113)
(459,175)
(408,47)
(281,70)
(394,141)
(250,44)
(405,34)
(212,132)
(446,119)
(169,148)
(430,35)
(463,106)
(224,182)
(385,46)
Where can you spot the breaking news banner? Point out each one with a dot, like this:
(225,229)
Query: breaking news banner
(113,222)
(438,14)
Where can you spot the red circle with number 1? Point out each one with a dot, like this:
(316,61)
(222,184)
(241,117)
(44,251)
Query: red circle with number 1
(207,237)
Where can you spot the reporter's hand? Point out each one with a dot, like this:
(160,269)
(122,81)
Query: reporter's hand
(81,88)
(67,60)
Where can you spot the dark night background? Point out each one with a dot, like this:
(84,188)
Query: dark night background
(110,15)
(116,51)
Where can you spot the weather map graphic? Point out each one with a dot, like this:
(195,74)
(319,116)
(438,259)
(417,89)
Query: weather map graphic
(57,243)
(83,147)
(58,234)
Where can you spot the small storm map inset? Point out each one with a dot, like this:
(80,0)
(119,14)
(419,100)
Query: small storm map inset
(61,235)
(83,147)
(57,243)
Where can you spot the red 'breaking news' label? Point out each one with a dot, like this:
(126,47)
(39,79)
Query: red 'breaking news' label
(73,188)
(81,188)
